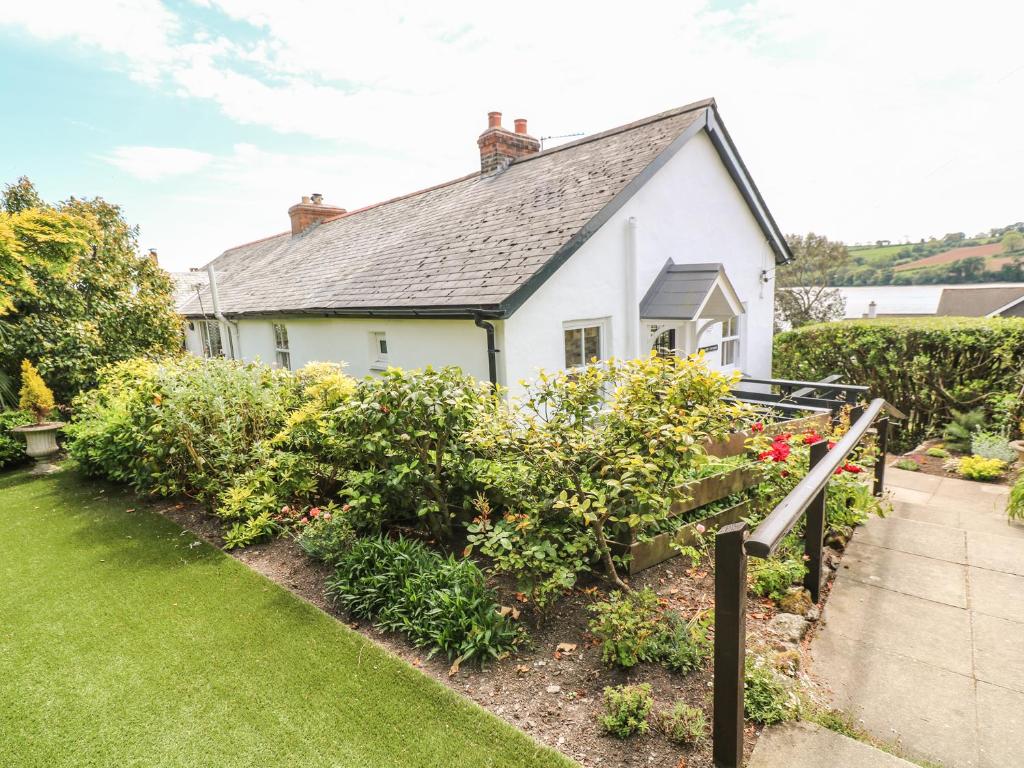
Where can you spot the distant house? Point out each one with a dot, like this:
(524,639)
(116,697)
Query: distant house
(650,235)
(989,301)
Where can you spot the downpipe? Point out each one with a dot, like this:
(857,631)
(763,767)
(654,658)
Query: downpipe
(492,351)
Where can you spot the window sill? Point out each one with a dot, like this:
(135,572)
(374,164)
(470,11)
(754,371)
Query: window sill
(378,366)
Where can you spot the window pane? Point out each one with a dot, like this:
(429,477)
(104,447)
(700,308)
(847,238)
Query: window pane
(591,343)
(382,344)
(574,348)
(280,336)
(284,360)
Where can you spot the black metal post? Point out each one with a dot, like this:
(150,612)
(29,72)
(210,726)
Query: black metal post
(730,645)
(814,535)
(882,425)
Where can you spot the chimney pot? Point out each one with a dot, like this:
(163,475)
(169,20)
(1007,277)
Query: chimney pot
(305,199)
(494,119)
(500,146)
(521,126)
(317,198)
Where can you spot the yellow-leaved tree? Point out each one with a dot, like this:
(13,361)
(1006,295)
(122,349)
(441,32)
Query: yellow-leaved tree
(35,396)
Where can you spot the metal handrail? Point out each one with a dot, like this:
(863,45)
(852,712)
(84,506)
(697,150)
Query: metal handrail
(773,529)
(817,385)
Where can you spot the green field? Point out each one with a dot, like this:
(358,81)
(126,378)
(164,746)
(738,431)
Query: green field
(125,642)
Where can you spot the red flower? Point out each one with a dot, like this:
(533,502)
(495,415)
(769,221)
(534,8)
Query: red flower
(784,473)
(303,521)
(782,437)
(757,426)
(315,512)
(852,468)
(831,444)
(839,471)
(811,437)
(778,452)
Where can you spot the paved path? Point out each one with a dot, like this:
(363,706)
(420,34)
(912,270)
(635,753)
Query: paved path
(923,638)
(805,745)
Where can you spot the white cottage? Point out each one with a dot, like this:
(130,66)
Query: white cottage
(651,235)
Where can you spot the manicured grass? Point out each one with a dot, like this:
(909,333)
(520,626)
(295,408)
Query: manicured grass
(124,642)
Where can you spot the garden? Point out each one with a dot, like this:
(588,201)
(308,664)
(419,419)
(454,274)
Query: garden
(547,558)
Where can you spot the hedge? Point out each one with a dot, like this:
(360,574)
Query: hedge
(924,366)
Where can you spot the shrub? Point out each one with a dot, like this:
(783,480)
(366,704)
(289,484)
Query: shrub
(12,448)
(766,699)
(772,577)
(439,602)
(35,397)
(1015,508)
(992,446)
(591,450)
(626,710)
(683,724)
(632,627)
(980,468)
(683,646)
(925,367)
(937,453)
(327,535)
(628,625)
(907,464)
(960,430)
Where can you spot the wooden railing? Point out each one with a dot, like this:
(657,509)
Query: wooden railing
(734,545)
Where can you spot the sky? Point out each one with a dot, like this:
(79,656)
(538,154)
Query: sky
(206,119)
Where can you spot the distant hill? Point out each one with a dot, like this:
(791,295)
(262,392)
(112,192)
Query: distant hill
(997,256)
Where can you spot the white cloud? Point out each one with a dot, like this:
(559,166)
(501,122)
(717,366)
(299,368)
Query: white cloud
(156,163)
(859,120)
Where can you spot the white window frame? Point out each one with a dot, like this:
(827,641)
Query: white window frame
(206,338)
(604,341)
(378,353)
(281,351)
(730,343)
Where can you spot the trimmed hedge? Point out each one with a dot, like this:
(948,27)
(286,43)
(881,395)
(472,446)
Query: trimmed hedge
(923,366)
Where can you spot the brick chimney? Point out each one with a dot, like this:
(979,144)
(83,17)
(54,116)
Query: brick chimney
(311,211)
(499,147)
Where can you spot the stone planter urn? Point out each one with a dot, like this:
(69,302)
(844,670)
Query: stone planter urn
(40,439)
(1018,446)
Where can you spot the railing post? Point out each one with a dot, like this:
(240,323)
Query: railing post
(814,535)
(730,645)
(882,425)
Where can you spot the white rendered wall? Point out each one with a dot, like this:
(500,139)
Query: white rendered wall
(413,343)
(689,211)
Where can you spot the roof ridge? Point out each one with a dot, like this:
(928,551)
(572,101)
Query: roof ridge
(390,200)
(675,112)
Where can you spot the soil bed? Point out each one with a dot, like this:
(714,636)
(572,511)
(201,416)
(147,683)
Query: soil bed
(937,466)
(555,697)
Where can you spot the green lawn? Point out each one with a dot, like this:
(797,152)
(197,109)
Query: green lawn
(125,643)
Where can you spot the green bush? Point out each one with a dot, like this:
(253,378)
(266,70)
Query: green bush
(683,724)
(182,425)
(980,468)
(439,602)
(773,576)
(326,534)
(959,432)
(766,699)
(925,367)
(626,710)
(12,447)
(633,627)
(628,625)
(908,465)
(937,453)
(992,446)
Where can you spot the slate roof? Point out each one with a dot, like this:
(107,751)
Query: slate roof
(479,242)
(184,287)
(679,290)
(976,302)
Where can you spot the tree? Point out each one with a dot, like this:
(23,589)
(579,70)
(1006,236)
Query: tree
(1012,241)
(804,295)
(104,304)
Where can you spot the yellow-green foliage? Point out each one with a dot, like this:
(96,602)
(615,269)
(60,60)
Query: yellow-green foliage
(35,395)
(980,468)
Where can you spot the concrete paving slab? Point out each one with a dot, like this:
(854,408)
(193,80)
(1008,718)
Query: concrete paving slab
(806,745)
(950,487)
(923,577)
(997,552)
(908,494)
(924,630)
(928,711)
(925,513)
(991,521)
(917,481)
(997,594)
(919,538)
(1000,727)
(998,651)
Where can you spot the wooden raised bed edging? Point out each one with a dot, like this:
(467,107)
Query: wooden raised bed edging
(707,490)
(659,548)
